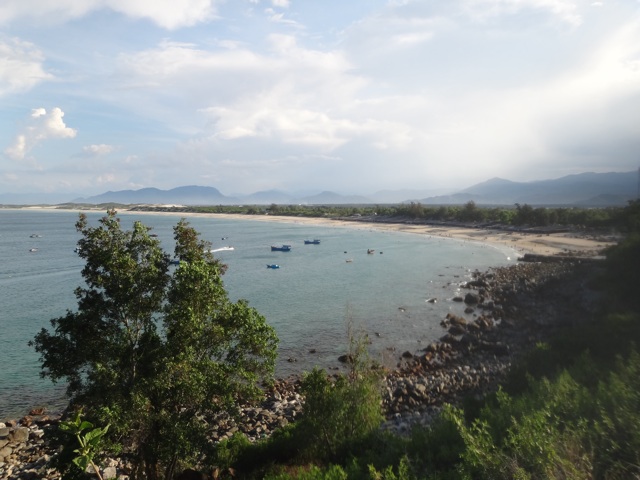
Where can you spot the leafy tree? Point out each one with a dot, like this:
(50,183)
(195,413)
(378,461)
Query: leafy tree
(153,352)
(471,213)
(341,412)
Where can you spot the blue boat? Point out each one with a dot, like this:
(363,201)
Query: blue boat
(273,265)
(312,242)
(281,248)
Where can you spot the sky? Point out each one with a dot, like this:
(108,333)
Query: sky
(306,96)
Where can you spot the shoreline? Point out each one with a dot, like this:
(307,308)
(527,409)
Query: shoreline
(472,358)
(570,243)
(562,245)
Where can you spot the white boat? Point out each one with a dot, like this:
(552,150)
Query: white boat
(222,249)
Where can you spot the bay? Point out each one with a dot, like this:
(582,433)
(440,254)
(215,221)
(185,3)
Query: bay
(317,294)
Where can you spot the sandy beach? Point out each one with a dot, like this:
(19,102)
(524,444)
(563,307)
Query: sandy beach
(574,243)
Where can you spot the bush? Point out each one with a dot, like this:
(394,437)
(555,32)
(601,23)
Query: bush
(341,412)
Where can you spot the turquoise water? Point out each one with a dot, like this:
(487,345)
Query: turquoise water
(309,300)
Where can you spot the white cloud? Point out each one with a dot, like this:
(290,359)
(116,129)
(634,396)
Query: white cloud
(21,67)
(42,126)
(98,150)
(169,14)
(291,94)
(566,11)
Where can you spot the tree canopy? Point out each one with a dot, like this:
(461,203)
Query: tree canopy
(154,349)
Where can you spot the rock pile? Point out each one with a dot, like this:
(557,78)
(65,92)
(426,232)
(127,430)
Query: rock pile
(24,452)
(281,406)
(513,308)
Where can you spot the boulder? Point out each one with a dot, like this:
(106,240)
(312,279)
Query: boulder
(457,329)
(471,298)
(346,358)
(19,435)
(455,320)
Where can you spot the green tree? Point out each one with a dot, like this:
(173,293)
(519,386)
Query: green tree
(342,411)
(154,352)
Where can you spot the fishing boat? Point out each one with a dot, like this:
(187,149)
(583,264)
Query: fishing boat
(312,242)
(280,248)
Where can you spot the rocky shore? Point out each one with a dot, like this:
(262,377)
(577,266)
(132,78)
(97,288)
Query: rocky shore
(503,313)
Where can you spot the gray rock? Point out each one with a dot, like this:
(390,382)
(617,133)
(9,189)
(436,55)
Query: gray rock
(5,452)
(471,298)
(19,435)
(109,472)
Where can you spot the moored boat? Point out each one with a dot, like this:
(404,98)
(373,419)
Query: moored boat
(280,248)
(315,241)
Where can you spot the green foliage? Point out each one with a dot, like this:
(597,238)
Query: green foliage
(626,219)
(343,411)
(89,440)
(403,472)
(616,432)
(151,351)
(623,275)
(334,472)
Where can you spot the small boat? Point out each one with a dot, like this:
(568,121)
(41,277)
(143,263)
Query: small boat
(33,250)
(273,265)
(312,242)
(35,235)
(370,251)
(281,248)
(222,249)
(349,260)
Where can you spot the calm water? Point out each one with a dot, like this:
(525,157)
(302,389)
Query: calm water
(309,300)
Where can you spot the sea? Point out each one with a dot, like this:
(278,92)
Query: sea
(319,294)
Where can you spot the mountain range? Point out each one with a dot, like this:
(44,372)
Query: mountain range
(585,189)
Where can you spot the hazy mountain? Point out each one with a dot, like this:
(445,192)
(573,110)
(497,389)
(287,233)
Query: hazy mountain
(405,195)
(325,198)
(268,197)
(189,195)
(586,189)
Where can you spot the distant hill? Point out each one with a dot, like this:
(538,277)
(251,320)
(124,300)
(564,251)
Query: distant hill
(196,195)
(189,195)
(585,189)
(334,198)
(405,195)
(268,197)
